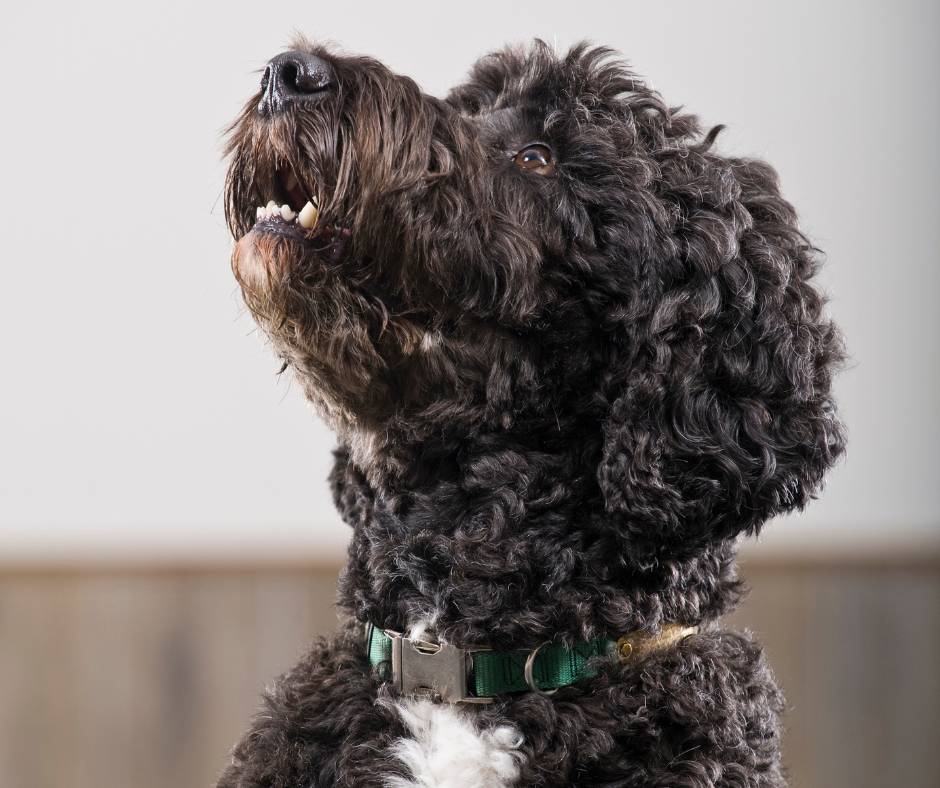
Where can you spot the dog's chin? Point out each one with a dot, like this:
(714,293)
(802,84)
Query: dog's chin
(274,248)
(264,259)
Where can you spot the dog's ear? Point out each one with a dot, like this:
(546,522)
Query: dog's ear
(720,413)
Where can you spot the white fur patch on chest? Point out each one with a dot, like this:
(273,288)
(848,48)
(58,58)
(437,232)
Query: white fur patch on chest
(448,750)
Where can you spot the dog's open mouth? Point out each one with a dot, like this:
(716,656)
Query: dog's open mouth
(291,206)
(293,211)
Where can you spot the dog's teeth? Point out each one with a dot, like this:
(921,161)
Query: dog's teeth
(287,214)
(308,216)
(271,206)
(259,213)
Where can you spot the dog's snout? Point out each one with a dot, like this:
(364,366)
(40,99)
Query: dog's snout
(294,77)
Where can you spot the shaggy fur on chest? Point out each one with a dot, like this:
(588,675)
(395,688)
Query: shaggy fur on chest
(446,748)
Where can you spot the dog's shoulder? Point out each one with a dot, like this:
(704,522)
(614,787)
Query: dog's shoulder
(319,724)
(702,713)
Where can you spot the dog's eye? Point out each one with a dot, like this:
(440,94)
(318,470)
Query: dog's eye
(535,158)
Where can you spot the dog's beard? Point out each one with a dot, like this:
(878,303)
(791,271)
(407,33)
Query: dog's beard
(346,350)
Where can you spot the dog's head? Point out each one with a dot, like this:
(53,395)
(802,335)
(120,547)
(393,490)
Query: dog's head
(550,258)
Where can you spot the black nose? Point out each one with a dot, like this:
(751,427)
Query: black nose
(294,78)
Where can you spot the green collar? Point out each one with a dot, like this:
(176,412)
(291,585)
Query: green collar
(476,675)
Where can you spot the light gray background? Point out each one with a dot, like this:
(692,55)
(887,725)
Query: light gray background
(140,416)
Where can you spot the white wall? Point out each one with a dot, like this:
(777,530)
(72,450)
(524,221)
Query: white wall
(140,416)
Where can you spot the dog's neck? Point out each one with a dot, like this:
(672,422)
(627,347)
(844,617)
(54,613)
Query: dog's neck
(491,541)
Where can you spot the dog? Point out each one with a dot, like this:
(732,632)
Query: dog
(571,353)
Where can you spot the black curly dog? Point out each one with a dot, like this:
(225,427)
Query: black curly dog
(571,352)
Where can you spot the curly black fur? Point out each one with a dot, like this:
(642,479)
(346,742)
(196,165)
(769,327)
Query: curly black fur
(559,400)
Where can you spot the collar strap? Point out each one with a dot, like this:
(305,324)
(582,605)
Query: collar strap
(476,674)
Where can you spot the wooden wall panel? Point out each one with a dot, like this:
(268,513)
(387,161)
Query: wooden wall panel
(146,678)
(857,651)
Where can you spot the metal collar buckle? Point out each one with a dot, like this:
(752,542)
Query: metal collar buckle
(434,670)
